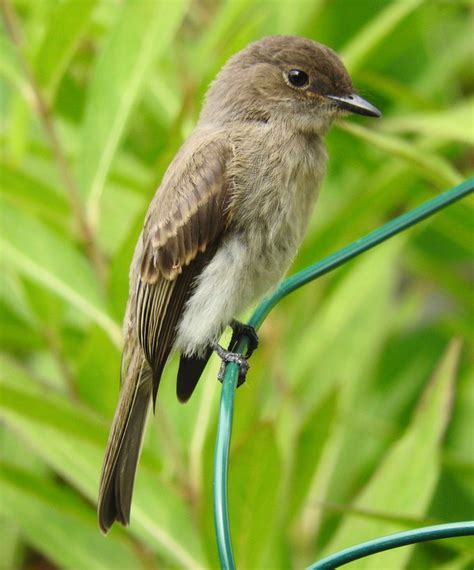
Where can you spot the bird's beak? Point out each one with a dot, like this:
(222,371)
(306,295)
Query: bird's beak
(355,104)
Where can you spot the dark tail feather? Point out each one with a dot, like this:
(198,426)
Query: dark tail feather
(123,449)
(189,372)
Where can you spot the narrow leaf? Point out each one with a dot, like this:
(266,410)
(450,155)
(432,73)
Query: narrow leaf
(143,30)
(454,124)
(47,259)
(33,195)
(10,67)
(405,481)
(433,166)
(66,26)
(375,31)
(48,514)
(253,489)
(71,441)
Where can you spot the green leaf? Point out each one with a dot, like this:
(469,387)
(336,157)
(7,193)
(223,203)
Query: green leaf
(18,139)
(13,452)
(48,514)
(66,25)
(433,166)
(98,372)
(445,69)
(352,322)
(293,17)
(119,270)
(460,563)
(406,478)
(12,551)
(41,255)
(120,209)
(308,449)
(31,194)
(460,441)
(454,124)
(10,66)
(253,491)
(142,32)
(13,294)
(375,31)
(223,26)
(72,441)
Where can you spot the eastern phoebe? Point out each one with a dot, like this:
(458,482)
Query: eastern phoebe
(223,227)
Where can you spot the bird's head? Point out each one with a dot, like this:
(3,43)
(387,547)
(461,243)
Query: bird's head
(285,78)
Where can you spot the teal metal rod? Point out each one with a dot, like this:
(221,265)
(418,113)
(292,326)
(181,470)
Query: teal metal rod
(383,543)
(361,245)
(224,429)
(221,463)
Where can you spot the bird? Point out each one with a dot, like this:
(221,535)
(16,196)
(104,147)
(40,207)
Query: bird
(222,228)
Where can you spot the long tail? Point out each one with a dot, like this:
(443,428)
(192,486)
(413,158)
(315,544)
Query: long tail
(123,447)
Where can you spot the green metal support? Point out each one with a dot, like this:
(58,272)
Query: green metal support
(224,430)
(396,540)
(221,464)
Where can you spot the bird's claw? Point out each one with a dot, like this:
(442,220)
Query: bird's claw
(228,356)
(240,329)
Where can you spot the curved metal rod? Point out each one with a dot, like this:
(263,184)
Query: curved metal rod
(370,240)
(396,540)
(224,430)
(221,464)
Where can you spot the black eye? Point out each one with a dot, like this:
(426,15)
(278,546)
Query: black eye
(298,78)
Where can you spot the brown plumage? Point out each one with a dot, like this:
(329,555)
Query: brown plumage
(223,227)
(188,212)
(183,223)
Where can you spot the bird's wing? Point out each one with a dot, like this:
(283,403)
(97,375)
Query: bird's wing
(187,216)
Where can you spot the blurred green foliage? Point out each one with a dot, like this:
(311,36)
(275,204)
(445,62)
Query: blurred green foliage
(357,416)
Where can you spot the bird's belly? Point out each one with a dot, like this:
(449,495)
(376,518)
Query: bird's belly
(245,267)
(252,258)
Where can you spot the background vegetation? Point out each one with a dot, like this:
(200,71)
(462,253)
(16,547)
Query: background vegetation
(357,416)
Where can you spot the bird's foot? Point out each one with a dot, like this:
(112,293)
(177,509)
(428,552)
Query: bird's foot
(228,356)
(238,331)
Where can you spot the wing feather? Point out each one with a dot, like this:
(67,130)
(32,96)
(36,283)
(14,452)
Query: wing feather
(187,212)
(185,220)
(184,223)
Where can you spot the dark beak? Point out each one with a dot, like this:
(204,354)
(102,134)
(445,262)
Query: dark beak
(355,104)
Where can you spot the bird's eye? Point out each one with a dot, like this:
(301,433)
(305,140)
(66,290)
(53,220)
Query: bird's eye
(298,78)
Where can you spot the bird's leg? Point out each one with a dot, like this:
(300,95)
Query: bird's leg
(228,356)
(239,330)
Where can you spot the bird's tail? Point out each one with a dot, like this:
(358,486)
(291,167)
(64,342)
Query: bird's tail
(123,446)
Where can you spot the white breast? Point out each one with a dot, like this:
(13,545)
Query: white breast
(275,198)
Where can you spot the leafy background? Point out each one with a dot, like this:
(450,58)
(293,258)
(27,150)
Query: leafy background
(357,416)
